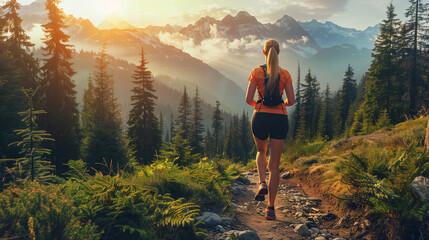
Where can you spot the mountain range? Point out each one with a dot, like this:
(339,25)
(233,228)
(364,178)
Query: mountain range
(218,55)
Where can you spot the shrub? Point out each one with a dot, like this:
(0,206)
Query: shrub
(34,211)
(128,211)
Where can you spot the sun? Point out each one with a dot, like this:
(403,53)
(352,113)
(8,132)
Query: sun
(107,7)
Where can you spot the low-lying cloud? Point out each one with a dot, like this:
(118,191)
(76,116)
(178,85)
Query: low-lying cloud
(214,48)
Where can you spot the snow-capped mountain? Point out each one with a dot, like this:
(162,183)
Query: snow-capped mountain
(286,30)
(329,34)
(163,59)
(115,22)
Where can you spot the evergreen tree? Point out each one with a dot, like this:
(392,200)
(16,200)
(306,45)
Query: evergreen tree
(310,102)
(32,164)
(245,138)
(11,101)
(105,141)
(347,96)
(208,144)
(18,43)
(417,33)
(172,128)
(297,112)
(197,126)
(59,95)
(161,126)
(183,120)
(144,130)
(384,82)
(326,121)
(217,129)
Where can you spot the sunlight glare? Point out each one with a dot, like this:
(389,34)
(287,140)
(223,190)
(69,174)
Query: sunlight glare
(107,7)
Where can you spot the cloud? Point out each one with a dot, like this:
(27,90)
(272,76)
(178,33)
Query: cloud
(301,9)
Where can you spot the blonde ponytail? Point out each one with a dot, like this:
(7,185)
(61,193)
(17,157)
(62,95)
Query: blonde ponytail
(272,50)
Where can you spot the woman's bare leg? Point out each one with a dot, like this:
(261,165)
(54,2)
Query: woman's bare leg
(276,146)
(261,157)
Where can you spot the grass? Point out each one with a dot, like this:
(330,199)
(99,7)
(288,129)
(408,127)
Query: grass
(375,170)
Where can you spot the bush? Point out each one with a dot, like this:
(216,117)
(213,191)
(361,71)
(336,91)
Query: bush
(128,211)
(383,179)
(34,211)
(299,150)
(207,183)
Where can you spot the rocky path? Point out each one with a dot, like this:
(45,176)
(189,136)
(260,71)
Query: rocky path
(299,216)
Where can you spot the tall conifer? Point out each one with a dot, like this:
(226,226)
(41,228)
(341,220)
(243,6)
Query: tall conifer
(197,126)
(144,130)
(58,88)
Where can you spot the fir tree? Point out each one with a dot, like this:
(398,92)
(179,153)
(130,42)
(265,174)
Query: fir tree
(347,96)
(310,107)
(172,128)
(217,129)
(19,45)
(245,139)
(417,30)
(197,126)
(326,121)
(208,144)
(59,95)
(105,141)
(32,165)
(297,112)
(144,130)
(183,119)
(161,126)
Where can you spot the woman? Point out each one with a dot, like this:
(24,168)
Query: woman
(269,120)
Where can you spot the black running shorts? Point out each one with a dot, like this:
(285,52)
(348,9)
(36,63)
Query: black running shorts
(271,125)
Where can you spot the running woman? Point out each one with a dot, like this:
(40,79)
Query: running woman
(269,121)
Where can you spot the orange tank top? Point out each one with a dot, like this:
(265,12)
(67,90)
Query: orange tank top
(257,76)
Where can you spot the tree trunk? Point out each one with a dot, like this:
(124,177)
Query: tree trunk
(427,136)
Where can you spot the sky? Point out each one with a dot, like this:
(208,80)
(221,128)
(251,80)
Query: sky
(357,14)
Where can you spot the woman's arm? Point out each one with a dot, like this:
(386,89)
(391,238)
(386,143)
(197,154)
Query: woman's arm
(251,88)
(290,100)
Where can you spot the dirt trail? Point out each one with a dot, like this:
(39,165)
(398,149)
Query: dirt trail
(293,207)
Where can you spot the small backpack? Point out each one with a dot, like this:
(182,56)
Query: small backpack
(268,99)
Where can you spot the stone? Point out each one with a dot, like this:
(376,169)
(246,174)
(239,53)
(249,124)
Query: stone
(323,231)
(315,230)
(302,230)
(338,239)
(220,228)
(244,235)
(280,208)
(320,238)
(286,175)
(227,220)
(299,214)
(420,186)
(314,199)
(210,219)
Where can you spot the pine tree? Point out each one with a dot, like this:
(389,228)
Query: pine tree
(105,143)
(310,107)
(32,164)
(184,110)
(297,112)
(347,96)
(245,138)
(144,130)
(172,128)
(11,103)
(326,121)
(418,18)
(217,129)
(18,43)
(161,126)
(197,126)
(59,95)
(208,144)
(386,85)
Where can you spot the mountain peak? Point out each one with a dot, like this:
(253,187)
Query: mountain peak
(244,17)
(115,22)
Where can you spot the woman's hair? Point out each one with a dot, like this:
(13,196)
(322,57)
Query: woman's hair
(272,50)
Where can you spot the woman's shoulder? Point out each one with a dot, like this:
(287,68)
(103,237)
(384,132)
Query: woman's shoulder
(258,72)
(285,75)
